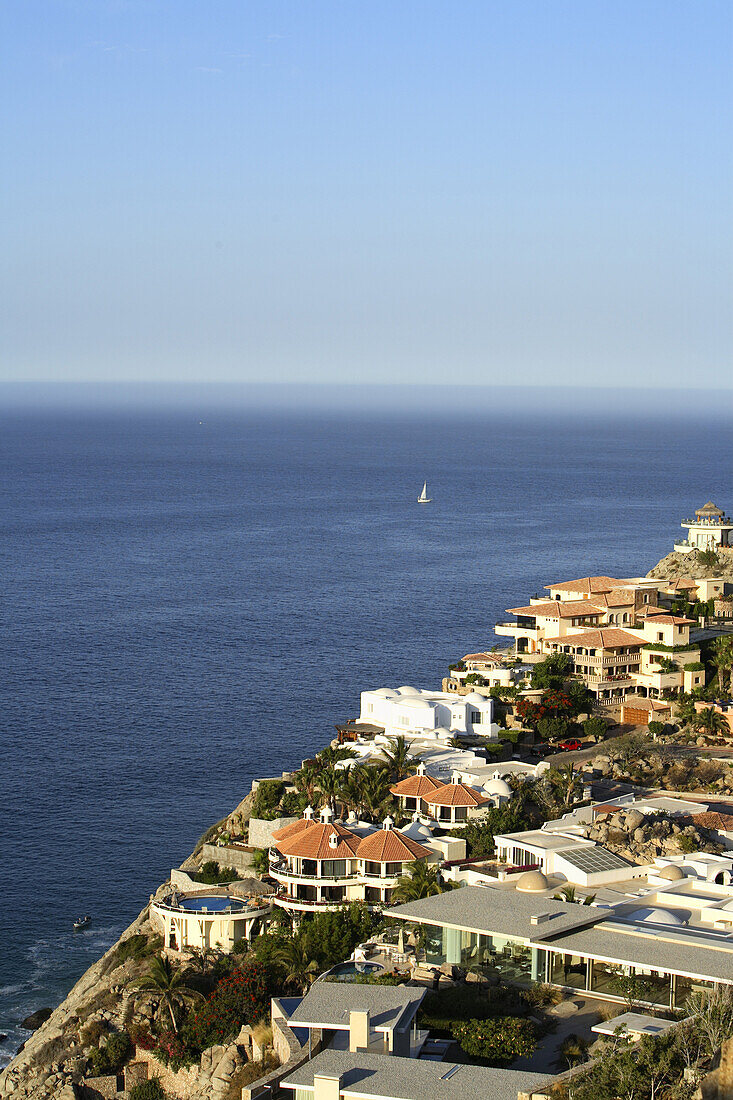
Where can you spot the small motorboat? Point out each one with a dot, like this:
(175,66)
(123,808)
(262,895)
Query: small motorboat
(82,922)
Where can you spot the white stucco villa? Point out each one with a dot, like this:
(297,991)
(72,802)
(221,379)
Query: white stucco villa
(411,710)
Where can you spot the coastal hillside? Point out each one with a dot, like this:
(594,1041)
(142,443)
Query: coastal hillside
(694,565)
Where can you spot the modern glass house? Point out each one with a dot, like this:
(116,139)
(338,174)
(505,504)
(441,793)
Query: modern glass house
(524,939)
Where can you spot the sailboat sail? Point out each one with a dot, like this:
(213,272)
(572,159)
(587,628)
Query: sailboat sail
(424,498)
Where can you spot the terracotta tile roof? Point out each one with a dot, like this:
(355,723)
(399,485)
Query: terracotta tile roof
(391,846)
(641,702)
(586,584)
(713,820)
(557,609)
(617,597)
(606,638)
(456,794)
(665,618)
(415,786)
(682,582)
(314,843)
(490,658)
(293,829)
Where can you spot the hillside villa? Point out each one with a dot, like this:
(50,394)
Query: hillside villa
(321,864)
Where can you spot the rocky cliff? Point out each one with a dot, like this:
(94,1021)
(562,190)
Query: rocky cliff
(675,566)
(54,1059)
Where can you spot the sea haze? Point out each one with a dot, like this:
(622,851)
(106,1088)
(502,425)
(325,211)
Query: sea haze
(192,604)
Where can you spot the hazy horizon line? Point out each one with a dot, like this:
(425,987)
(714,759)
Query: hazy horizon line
(388,401)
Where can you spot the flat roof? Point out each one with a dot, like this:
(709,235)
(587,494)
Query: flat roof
(388,1076)
(547,841)
(690,955)
(633,1023)
(492,910)
(328,1004)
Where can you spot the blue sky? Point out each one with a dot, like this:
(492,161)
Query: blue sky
(524,193)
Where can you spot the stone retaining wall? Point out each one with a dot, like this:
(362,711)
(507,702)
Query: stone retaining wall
(260,831)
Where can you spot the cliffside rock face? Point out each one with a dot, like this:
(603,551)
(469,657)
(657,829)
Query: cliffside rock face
(675,566)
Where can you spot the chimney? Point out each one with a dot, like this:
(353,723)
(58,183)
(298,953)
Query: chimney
(358,1030)
(455,777)
(420,768)
(308,813)
(333,840)
(326,813)
(326,1086)
(387,823)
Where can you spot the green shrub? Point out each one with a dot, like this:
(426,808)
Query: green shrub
(267,799)
(686,843)
(441,1008)
(135,947)
(293,803)
(389,978)
(656,728)
(148,1090)
(510,735)
(595,727)
(497,1041)
(211,873)
(110,1057)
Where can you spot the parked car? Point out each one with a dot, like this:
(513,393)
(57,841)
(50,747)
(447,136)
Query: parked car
(571,745)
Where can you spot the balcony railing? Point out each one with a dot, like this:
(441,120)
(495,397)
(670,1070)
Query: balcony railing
(296,876)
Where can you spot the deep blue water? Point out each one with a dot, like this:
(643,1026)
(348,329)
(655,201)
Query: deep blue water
(187,606)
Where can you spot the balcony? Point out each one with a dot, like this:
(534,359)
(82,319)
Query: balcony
(285,874)
(306,905)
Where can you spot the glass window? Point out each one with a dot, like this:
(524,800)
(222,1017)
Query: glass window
(568,970)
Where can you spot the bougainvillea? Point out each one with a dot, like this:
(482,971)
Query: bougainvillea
(242,997)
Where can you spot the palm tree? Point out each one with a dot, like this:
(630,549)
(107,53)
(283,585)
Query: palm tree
(306,779)
(168,986)
(421,881)
(299,970)
(564,784)
(723,661)
(399,761)
(374,796)
(329,786)
(350,786)
(260,861)
(203,958)
(711,721)
(567,893)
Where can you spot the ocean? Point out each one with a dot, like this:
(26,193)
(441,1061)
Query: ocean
(194,597)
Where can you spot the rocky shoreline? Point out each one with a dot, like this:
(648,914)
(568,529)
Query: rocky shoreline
(51,1063)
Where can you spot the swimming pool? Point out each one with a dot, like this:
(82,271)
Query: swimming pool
(346,970)
(213,904)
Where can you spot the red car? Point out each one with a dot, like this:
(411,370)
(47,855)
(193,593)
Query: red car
(570,746)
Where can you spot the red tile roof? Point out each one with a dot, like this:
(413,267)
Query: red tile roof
(606,638)
(391,846)
(557,609)
(713,820)
(314,843)
(456,794)
(293,829)
(586,584)
(415,786)
(664,617)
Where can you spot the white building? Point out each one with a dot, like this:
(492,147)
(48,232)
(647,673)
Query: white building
(709,530)
(410,710)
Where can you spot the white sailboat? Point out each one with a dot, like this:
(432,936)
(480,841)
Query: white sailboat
(424,498)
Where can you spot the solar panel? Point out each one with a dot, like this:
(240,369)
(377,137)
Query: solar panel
(594,859)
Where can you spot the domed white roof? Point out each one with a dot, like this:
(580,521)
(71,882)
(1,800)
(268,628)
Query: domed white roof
(673,872)
(652,915)
(498,786)
(416,703)
(532,882)
(474,697)
(407,690)
(385,693)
